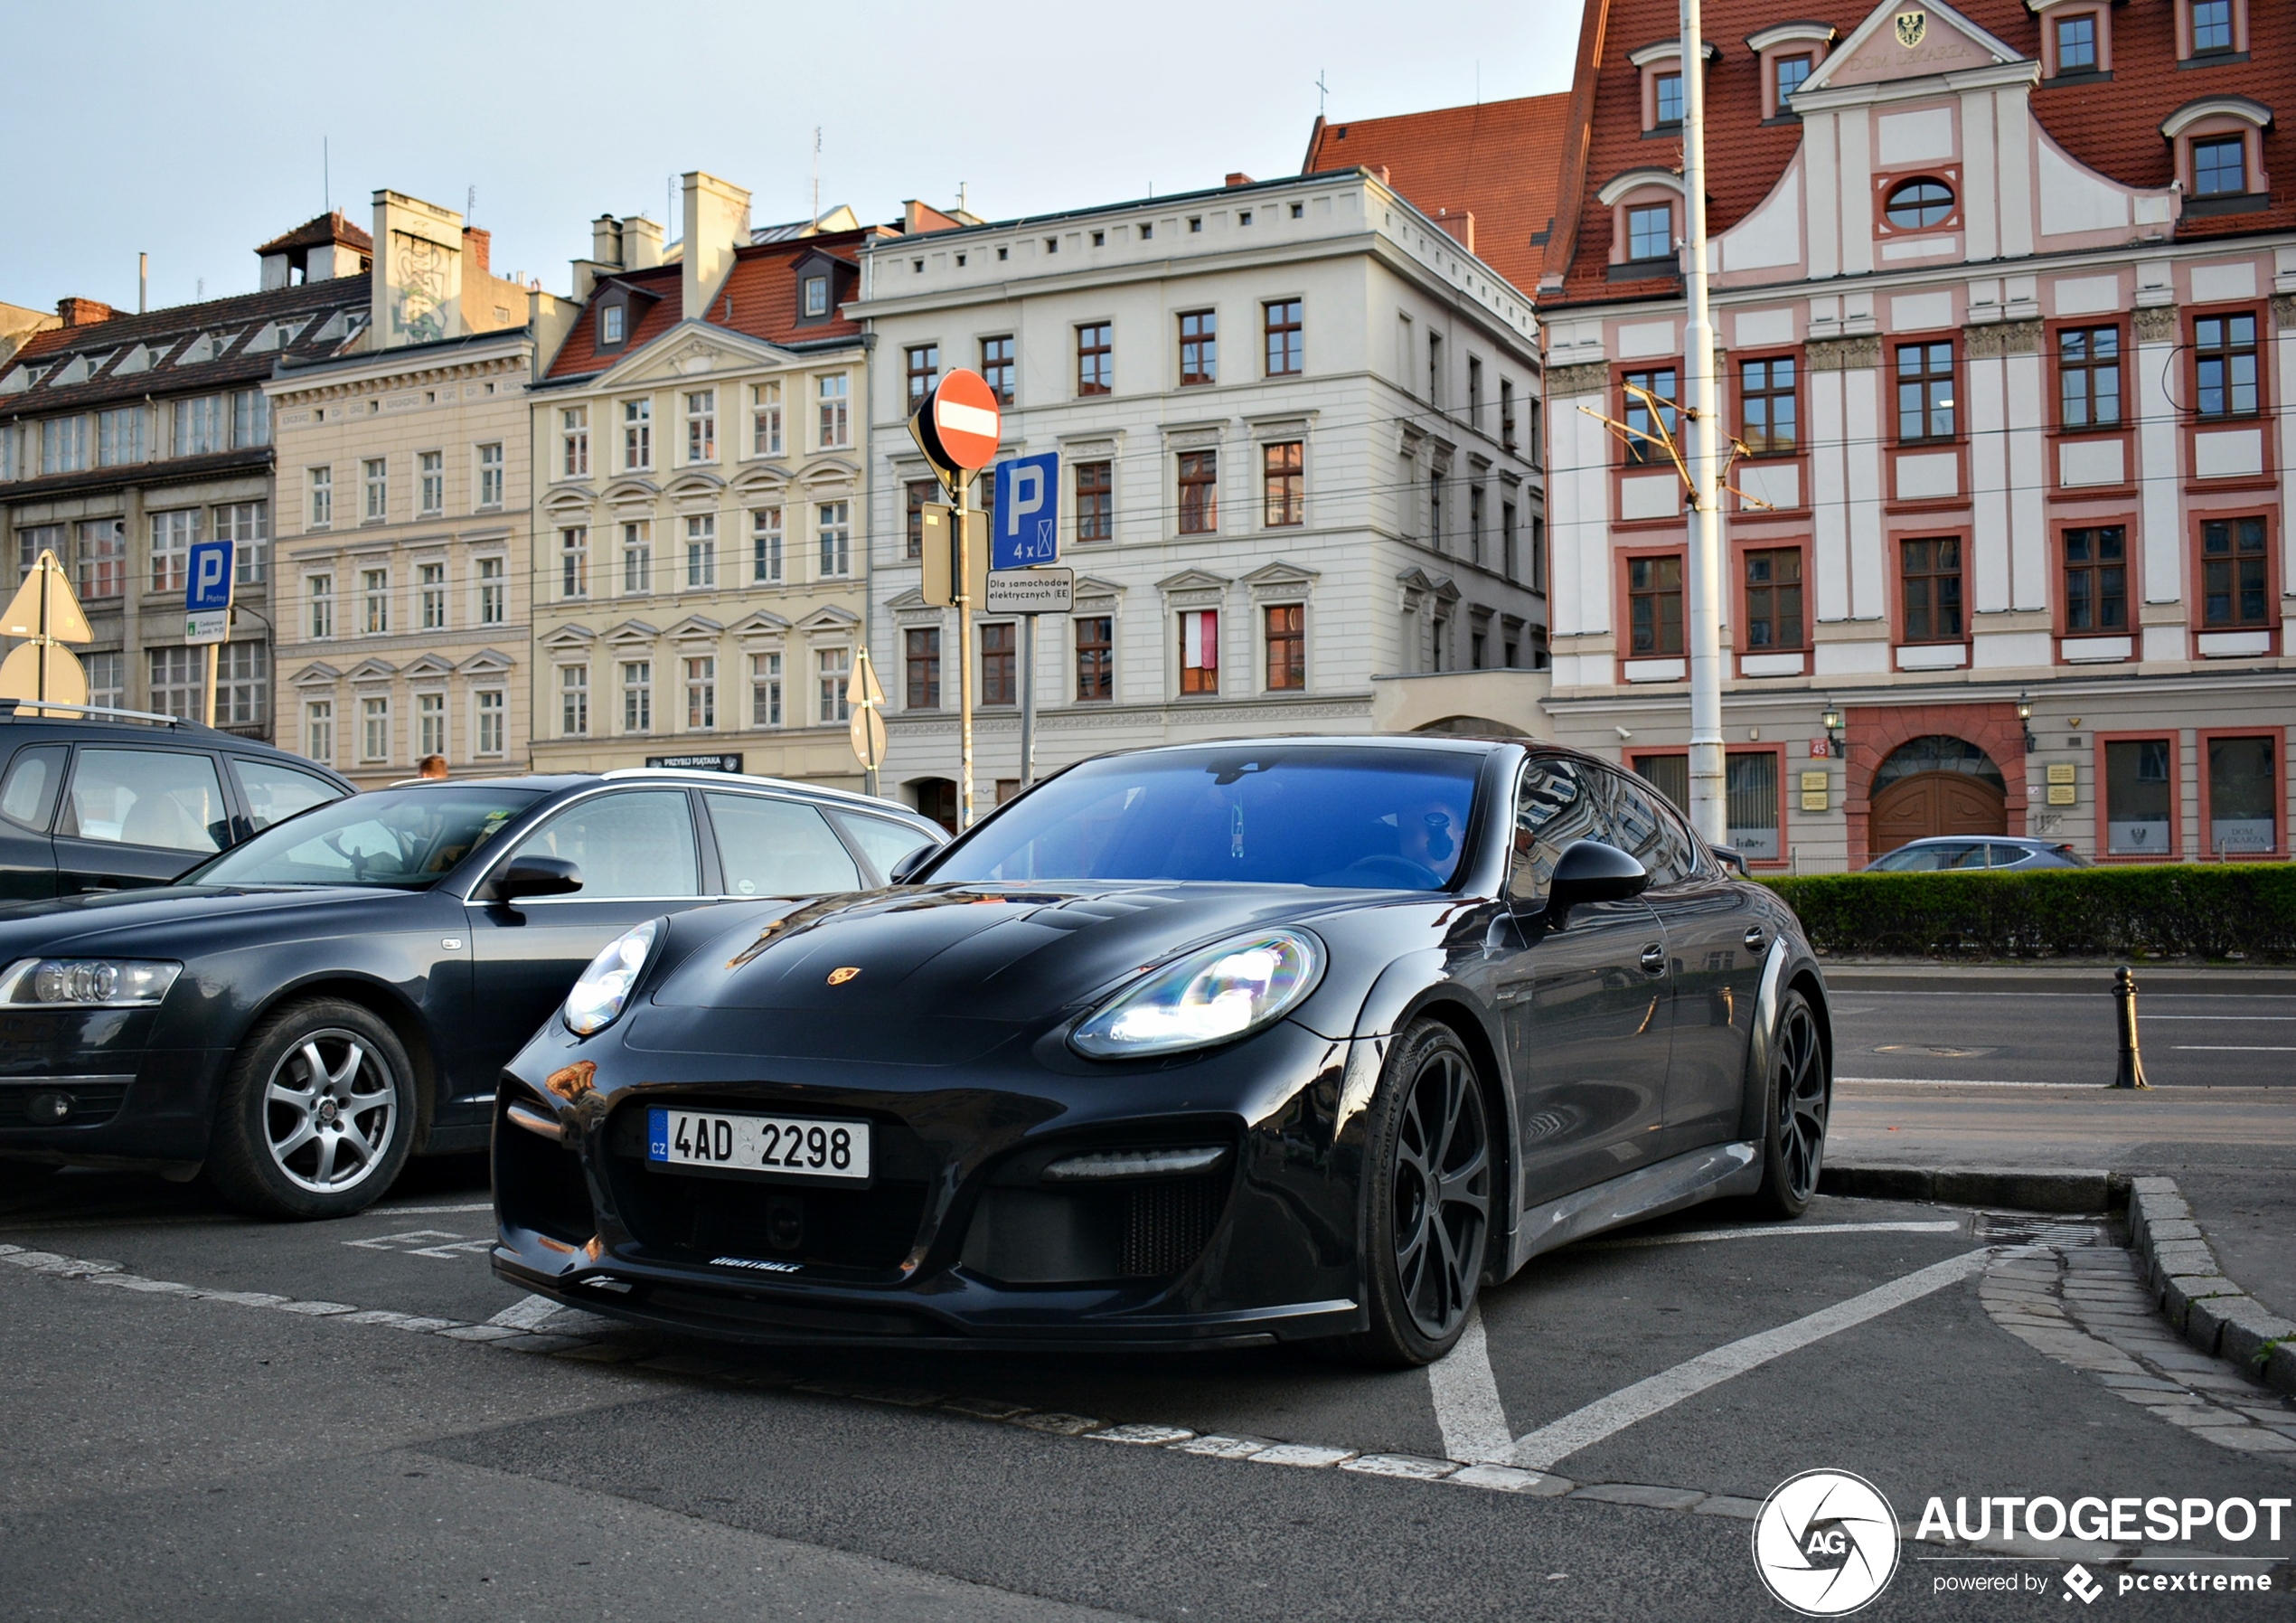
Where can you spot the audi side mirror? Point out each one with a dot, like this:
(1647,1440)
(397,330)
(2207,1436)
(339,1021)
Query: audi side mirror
(909,864)
(1732,857)
(1590,871)
(525,876)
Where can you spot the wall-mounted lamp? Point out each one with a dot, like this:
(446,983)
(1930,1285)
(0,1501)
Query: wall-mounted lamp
(2025,720)
(1831,721)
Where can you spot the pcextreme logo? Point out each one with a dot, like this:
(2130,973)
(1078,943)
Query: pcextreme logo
(1825,1542)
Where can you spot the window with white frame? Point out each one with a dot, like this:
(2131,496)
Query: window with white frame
(701,425)
(103,558)
(574,562)
(318,597)
(318,731)
(701,693)
(610,329)
(63,445)
(637,557)
(834,669)
(637,435)
(701,550)
(834,394)
(494,713)
(242,684)
(573,701)
(174,535)
(835,532)
(107,679)
(493,591)
(250,418)
(119,436)
(637,696)
(816,297)
(322,485)
(199,426)
(32,540)
(378,490)
(430,725)
(491,469)
(765,690)
(574,442)
(374,602)
(764,544)
(430,490)
(374,728)
(764,419)
(179,682)
(247,526)
(430,582)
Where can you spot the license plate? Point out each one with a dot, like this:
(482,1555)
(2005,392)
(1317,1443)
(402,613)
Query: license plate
(800,1147)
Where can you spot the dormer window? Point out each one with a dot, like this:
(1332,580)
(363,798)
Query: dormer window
(2076,43)
(2212,26)
(610,319)
(816,291)
(1789,53)
(1918,204)
(2218,143)
(2220,167)
(1786,74)
(1667,91)
(1643,223)
(1664,101)
(1650,231)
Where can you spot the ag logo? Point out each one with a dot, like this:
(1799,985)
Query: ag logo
(1825,1542)
(1911,26)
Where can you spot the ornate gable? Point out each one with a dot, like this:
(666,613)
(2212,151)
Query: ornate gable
(1910,39)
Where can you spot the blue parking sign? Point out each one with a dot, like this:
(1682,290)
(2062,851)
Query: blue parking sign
(1028,513)
(207,586)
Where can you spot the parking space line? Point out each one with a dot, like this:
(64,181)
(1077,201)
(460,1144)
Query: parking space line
(1607,1417)
(420,1211)
(2232,1048)
(530,1314)
(1696,1236)
(1466,1399)
(1952,1081)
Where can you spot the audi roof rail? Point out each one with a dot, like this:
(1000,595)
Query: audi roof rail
(102,713)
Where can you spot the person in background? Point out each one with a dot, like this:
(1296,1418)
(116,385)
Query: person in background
(431,765)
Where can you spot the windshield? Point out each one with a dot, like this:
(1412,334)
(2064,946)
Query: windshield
(1376,818)
(402,839)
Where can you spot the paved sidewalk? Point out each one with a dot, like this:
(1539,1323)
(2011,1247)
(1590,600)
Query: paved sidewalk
(2250,1217)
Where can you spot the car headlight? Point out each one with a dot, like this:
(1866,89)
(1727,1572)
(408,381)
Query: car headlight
(595,1002)
(87,983)
(1207,997)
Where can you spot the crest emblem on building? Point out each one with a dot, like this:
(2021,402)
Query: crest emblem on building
(1911,26)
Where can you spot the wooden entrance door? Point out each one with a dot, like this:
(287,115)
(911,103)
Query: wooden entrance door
(1935,803)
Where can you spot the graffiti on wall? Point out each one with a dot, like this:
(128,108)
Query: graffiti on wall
(421,289)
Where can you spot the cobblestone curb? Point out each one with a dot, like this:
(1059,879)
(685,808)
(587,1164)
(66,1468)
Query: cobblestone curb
(2208,1309)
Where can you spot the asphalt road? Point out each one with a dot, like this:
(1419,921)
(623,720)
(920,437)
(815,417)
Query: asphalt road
(305,1421)
(2189,1040)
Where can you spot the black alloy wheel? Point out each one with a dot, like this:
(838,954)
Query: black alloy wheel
(1430,1189)
(1801,1091)
(317,1113)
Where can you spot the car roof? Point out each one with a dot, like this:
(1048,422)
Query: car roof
(25,719)
(1964,839)
(552,783)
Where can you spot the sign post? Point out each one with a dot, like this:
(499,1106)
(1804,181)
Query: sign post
(957,424)
(207,606)
(46,614)
(867,731)
(1027,538)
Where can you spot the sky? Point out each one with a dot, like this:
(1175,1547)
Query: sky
(193,132)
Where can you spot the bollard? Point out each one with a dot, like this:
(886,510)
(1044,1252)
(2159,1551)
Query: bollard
(2124,997)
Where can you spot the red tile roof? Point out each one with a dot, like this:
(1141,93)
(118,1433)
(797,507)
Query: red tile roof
(321,231)
(2112,127)
(758,297)
(1496,160)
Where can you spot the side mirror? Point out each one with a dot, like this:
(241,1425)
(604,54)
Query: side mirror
(910,863)
(1731,855)
(1590,871)
(525,876)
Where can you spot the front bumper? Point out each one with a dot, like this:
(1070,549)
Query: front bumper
(127,1104)
(960,1241)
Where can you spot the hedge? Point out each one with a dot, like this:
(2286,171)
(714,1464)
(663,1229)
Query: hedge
(2207,911)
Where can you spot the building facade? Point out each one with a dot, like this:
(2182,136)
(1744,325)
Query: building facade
(1297,450)
(2005,304)
(126,438)
(698,547)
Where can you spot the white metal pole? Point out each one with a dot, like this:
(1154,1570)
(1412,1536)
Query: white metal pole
(1708,785)
(963,561)
(1028,699)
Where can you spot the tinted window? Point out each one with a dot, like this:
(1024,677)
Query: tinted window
(1335,815)
(2006,856)
(771,847)
(638,842)
(28,794)
(1555,806)
(883,841)
(402,839)
(1649,832)
(274,793)
(170,799)
(1929,859)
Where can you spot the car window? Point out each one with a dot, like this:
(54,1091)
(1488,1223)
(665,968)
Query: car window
(771,847)
(1963,856)
(2008,856)
(28,794)
(1924,859)
(395,839)
(1555,806)
(883,841)
(1649,833)
(638,842)
(170,799)
(274,793)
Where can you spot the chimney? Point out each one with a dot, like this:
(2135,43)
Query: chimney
(416,295)
(478,244)
(641,243)
(606,241)
(717,221)
(1460,224)
(1237,177)
(83,312)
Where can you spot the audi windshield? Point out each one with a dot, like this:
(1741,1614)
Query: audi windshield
(392,839)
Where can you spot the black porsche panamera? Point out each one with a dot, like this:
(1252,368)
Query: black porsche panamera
(1200,1045)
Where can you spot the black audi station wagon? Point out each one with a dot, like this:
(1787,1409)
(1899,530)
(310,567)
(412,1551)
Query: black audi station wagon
(1208,1045)
(300,1014)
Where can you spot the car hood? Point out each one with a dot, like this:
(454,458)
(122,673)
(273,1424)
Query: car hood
(151,922)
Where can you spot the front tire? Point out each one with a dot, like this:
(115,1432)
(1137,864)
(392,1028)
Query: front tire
(1430,1177)
(1798,1098)
(317,1114)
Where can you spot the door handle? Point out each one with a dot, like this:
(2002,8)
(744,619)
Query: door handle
(1754,940)
(1654,959)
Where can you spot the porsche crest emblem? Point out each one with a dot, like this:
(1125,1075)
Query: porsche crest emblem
(1911,26)
(838,977)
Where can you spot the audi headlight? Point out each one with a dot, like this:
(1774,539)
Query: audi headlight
(1207,997)
(87,983)
(595,1002)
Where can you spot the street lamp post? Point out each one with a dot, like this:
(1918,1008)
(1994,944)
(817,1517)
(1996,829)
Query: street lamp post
(1708,785)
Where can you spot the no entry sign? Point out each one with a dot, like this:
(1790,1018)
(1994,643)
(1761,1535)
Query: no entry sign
(956,423)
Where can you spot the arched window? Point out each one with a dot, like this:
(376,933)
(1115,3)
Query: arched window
(1917,203)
